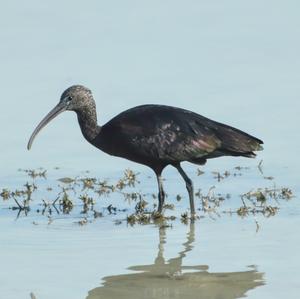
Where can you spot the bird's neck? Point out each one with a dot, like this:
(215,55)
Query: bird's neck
(87,119)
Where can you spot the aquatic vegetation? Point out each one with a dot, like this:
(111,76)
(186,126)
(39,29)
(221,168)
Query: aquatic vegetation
(210,201)
(219,176)
(200,172)
(86,196)
(262,194)
(184,218)
(66,203)
(149,218)
(169,206)
(141,206)
(89,183)
(111,209)
(35,173)
(88,203)
(262,201)
(129,179)
(5,194)
(103,188)
(83,221)
(97,214)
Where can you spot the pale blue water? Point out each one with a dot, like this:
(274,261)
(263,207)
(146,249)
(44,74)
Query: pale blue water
(236,62)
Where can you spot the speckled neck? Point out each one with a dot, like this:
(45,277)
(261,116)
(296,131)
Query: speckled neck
(87,118)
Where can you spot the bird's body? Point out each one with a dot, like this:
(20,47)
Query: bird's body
(155,135)
(158,135)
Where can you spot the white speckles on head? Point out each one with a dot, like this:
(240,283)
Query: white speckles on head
(166,126)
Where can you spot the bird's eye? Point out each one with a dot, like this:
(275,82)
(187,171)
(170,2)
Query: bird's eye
(68,99)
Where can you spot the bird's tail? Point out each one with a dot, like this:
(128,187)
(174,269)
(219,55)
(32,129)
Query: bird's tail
(238,143)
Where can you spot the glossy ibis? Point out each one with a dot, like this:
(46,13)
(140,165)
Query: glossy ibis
(154,135)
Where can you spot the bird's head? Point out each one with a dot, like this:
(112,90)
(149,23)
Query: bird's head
(75,98)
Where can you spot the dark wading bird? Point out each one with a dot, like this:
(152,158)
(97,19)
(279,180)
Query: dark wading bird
(154,135)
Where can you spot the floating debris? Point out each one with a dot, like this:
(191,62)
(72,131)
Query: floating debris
(66,180)
(66,203)
(82,195)
(184,218)
(129,179)
(89,183)
(83,221)
(261,194)
(103,188)
(147,218)
(141,206)
(111,209)
(5,194)
(178,197)
(97,214)
(32,296)
(41,173)
(221,176)
(218,176)
(264,210)
(199,172)
(258,201)
(169,206)
(241,167)
(210,201)
(259,166)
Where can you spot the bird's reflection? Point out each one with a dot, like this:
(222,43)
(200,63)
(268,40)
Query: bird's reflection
(170,279)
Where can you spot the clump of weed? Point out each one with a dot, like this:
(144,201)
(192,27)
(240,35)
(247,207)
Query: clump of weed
(185,218)
(210,201)
(41,173)
(141,206)
(83,221)
(89,183)
(199,172)
(88,203)
(86,191)
(221,176)
(103,188)
(66,203)
(98,214)
(111,209)
(129,179)
(258,201)
(5,194)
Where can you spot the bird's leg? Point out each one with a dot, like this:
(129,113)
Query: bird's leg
(189,187)
(161,193)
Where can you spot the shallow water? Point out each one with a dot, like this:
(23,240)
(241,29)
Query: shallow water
(235,62)
(219,256)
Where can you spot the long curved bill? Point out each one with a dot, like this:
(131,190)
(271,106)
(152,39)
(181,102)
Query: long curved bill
(59,108)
